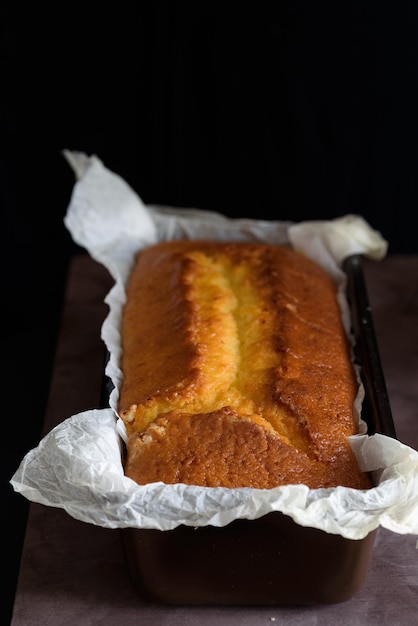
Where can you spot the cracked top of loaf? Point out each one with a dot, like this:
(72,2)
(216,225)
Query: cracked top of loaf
(236,369)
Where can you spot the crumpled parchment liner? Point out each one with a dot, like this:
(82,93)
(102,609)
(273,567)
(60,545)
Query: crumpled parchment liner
(77,466)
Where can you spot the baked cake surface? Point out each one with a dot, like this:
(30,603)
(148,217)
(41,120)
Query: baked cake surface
(236,369)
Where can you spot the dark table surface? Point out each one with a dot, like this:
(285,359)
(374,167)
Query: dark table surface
(74,573)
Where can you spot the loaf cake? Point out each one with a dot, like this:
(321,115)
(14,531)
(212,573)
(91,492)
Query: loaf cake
(237,371)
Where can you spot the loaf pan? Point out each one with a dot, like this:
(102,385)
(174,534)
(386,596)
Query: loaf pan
(271,560)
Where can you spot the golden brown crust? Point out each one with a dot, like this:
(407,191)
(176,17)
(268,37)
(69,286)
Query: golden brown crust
(224,449)
(228,344)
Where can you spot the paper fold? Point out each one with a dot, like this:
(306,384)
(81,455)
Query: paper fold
(77,466)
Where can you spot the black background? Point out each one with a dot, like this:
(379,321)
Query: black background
(275,110)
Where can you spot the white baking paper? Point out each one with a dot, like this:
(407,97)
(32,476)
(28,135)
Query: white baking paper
(77,466)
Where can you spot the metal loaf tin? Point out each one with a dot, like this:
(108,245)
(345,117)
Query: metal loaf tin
(271,560)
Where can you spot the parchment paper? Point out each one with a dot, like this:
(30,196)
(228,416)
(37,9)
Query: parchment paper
(77,466)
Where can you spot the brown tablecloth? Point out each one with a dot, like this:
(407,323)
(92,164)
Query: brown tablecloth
(74,573)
